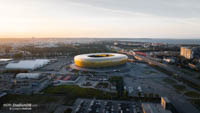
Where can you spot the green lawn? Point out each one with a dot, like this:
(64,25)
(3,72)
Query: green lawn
(196,103)
(198,77)
(192,94)
(69,110)
(162,70)
(35,99)
(73,92)
(150,72)
(102,84)
(169,81)
(179,87)
(115,79)
(60,95)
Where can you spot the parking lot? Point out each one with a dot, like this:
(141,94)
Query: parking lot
(56,65)
(106,106)
(143,78)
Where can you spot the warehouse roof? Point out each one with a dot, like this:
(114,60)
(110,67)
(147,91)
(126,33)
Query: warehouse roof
(28,64)
(28,75)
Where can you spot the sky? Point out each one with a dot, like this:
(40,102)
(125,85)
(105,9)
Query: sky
(100,18)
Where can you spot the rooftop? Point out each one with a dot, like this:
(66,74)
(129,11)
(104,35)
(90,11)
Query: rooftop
(5,60)
(28,75)
(28,64)
(153,108)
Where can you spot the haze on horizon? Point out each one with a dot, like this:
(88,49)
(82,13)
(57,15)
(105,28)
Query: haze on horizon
(100,18)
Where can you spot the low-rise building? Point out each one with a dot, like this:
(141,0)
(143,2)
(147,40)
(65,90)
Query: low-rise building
(30,82)
(169,60)
(153,108)
(27,64)
(164,107)
(98,78)
(4,61)
(66,79)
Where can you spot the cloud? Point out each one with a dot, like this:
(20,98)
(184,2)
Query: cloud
(167,8)
(101,18)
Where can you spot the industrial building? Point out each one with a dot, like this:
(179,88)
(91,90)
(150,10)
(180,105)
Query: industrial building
(28,64)
(30,82)
(99,60)
(4,61)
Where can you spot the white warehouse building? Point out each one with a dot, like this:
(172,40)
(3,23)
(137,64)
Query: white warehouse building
(28,64)
(28,75)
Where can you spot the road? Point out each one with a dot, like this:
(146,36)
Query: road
(168,68)
(180,103)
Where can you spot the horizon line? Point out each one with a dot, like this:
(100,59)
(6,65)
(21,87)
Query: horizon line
(92,38)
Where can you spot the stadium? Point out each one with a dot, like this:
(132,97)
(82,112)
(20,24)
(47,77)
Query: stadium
(100,60)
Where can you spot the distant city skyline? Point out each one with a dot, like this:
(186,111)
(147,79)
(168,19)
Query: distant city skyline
(100,18)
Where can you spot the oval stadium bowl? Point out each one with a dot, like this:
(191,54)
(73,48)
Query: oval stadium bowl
(99,60)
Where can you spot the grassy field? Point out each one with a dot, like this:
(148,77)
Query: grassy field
(150,72)
(189,83)
(196,103)
(169,81)
(58,95)
(102,84)
(44,103)
(35,99)
(162,70)
(73,92)
(192,94)
(179,87)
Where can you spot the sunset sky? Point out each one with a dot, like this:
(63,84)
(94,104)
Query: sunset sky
(100,18)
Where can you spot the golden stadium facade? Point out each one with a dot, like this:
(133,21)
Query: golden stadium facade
(99,60)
